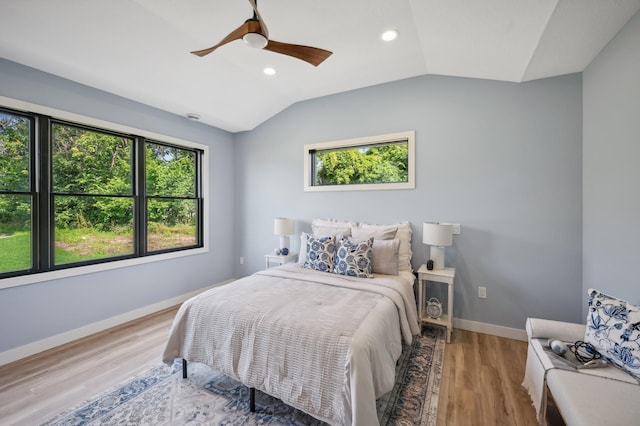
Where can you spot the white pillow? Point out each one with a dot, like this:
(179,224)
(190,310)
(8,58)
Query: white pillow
(302,256)
(328,231)
(385,256)
(376,233)
(404,235)
(331,227)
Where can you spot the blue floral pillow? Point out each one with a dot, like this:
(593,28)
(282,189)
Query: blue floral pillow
(320,253)
(613,328)
(354,258)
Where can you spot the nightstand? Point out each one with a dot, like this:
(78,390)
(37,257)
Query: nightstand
(443,276)
(279,259)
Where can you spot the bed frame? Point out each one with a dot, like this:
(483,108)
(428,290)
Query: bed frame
(252,391)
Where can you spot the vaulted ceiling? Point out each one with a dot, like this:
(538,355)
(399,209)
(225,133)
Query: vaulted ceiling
(139,49)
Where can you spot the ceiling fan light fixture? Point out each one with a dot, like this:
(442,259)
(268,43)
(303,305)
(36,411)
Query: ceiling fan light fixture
(389,35)
(255,40)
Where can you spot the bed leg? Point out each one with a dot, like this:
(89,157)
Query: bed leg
(252,400)
(184,368)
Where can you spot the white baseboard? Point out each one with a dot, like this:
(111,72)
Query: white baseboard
(59,339)
(494,330)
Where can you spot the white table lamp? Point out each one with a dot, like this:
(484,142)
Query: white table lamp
(437,235)
(284,227)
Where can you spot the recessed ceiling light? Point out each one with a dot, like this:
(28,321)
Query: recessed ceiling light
(389,35)
(192,116)
(269,71)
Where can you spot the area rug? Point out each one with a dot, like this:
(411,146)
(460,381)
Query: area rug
(162,397)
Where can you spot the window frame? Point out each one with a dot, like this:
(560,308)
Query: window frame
(31,191)
(309,168)
(144,241)
(39,158)
(47,253)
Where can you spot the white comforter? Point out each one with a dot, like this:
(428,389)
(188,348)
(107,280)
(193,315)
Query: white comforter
(323,343)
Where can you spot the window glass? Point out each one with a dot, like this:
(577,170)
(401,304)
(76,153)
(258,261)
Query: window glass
(15,232)
(172,223)
(90,162)
(16,199)
(109,234)
(386,163)
(15,134)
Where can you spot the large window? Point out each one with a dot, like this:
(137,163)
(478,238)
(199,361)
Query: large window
(377,162)
(76,195)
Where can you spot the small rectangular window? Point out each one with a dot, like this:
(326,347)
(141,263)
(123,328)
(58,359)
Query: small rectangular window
(377,162)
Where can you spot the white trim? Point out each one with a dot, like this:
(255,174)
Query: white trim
(51,342)
(492,329)
(107,125)
(409,136)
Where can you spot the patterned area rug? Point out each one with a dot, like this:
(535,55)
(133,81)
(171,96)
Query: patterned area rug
(162,397)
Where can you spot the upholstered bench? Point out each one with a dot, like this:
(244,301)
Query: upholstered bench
(608,395)
(603,396)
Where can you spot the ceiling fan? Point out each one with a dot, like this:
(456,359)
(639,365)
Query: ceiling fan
(254,33)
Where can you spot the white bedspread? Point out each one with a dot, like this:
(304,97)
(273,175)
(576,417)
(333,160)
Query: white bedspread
(323,343)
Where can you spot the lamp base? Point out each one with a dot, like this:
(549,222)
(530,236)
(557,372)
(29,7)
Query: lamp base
(437,255)
(284,242)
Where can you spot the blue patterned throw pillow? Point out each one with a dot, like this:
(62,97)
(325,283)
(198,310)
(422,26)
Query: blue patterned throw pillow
(320,253)
(613,328)
(354,258)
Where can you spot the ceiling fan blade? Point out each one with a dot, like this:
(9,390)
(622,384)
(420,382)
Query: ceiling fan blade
(236,34)
(313,55)
(265,31)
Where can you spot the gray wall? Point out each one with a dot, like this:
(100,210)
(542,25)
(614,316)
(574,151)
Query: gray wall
(611,230)
(503,160)
(33,312)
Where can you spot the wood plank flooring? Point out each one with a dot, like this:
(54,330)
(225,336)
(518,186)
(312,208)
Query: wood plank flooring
(480,382)
(37,388)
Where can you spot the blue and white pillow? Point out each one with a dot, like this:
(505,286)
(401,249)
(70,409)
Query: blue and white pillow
(320,253)
(613,328)
(354,258)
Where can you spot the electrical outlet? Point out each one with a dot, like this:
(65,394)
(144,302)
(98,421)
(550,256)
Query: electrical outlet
(482,292)
(241,260)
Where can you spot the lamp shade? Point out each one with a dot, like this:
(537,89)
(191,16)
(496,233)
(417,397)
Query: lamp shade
(437,234)
(284,226)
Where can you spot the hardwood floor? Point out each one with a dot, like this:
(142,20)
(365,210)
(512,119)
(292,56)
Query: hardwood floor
(37,388)
(480,382)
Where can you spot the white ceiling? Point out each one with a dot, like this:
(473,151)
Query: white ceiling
(139,49)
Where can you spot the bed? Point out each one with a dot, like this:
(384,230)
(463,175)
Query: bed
(324,343)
